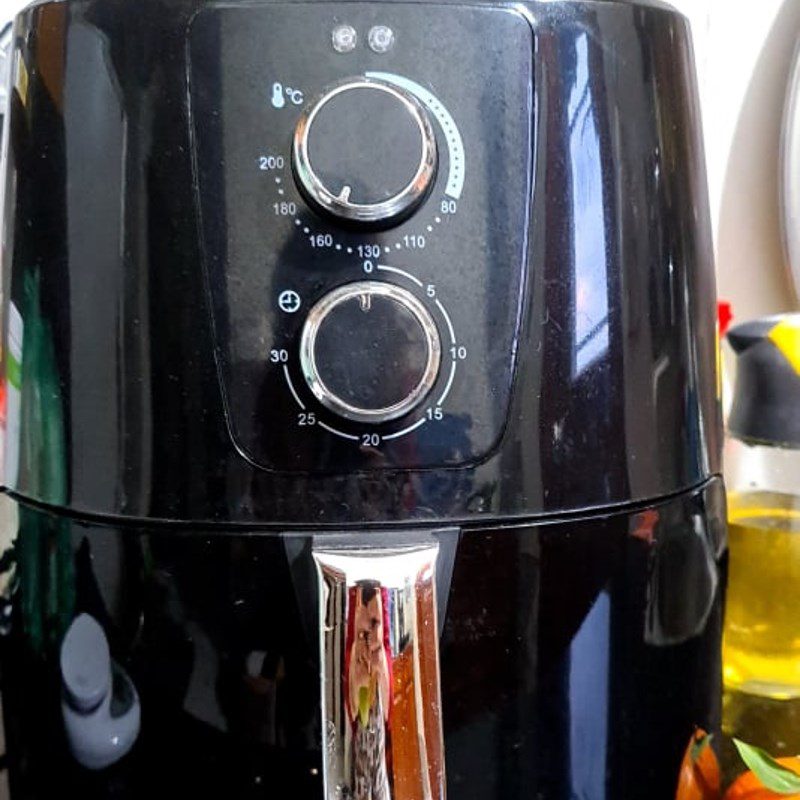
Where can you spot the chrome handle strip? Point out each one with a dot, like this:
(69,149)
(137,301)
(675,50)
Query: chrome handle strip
(380,683)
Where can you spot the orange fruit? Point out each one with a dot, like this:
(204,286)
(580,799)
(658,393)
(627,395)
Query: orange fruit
(748,787)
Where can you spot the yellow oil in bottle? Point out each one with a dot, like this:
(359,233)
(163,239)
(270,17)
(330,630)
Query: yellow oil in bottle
(761,647)
(761,651)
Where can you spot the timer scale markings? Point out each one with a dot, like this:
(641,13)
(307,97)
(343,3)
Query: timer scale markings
(448,386)
(300,403)
(398,271)
(403,432)
(292,389)
(447,320)
(338,433)
(450,330)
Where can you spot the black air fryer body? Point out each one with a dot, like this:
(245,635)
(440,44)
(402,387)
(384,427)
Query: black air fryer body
(381,325)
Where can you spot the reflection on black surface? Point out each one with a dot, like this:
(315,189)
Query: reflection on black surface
(606,330)
(588,701)
(588,214)
(683,583)
(551,679)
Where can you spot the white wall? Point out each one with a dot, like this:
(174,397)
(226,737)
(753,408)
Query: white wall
(9,7)
(744,51)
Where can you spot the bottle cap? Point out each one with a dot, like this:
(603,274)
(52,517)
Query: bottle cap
(766,399)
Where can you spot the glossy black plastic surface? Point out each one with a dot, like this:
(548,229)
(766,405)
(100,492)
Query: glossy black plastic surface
(462,253)
(576,657)
(612,396)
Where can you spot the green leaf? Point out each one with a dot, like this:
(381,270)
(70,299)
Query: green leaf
(773,776)
(698,745)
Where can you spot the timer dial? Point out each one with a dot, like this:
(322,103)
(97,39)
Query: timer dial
(365,153)
(370,351)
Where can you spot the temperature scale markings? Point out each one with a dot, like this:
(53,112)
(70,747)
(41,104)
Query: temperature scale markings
(455,178)
(387,268)
(291,387)
(405,430)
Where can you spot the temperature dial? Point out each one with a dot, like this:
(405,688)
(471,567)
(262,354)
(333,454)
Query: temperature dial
(365,153)
(370,351)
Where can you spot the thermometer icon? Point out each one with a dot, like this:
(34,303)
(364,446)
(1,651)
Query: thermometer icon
(280,93)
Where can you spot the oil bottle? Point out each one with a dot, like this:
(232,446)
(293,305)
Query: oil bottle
(761,649)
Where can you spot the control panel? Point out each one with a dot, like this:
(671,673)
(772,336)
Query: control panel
(363,182)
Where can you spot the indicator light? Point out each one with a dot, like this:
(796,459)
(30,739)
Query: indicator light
(380,38)
(344,38)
